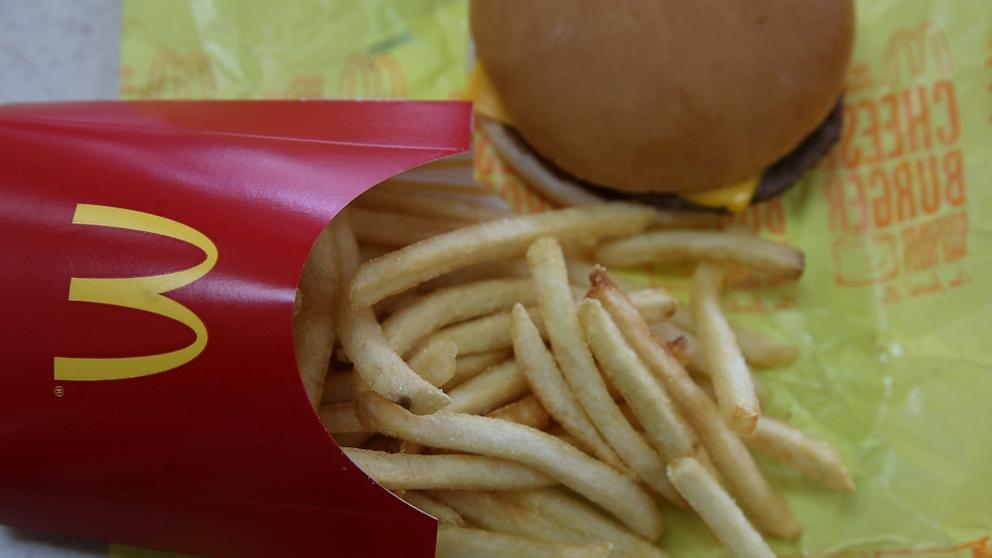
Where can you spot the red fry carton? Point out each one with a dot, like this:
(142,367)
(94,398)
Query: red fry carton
(149,257)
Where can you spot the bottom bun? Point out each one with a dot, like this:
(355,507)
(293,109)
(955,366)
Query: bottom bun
(563,189)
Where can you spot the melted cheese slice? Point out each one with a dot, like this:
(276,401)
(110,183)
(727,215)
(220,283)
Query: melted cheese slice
(735,198)
(484,99)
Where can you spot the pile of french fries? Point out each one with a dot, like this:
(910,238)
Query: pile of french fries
(487,369)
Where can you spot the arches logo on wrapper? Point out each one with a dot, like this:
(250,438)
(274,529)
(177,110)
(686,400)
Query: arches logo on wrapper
(139,293)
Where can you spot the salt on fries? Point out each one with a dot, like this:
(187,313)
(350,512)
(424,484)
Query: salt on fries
(647,399)
(362,338)
(487,388)
(400,471)
(470,366)
(599,483)
(497,386)
(405,268)
(425,315)
(569,347)
(548,384)
(725,448)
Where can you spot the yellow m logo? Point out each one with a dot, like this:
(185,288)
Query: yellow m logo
(139,293)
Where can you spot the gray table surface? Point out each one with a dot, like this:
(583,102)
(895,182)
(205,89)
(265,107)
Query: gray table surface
(56,50)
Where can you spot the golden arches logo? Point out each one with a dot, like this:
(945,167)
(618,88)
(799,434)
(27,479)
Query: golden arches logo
(139,293)
(363,76)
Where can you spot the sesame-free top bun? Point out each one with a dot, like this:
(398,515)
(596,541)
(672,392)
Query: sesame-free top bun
(664,95)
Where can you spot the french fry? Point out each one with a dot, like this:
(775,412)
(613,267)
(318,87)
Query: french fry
(759,350)
(655,304)
(576,515)
(362,338)
(339,418)
(398,271)
(389,305)
(314,338)
(492,332)
(488,333)
(547,264)
(422,317)
(731,457)
(527,411)
(462,542)
(395,229)
(690,353)
(502,516)
(433,364)
(430,206)
(717,509)
(557,431)
(704,383)
(444,514)
(470,366)
(435,361)
(580,268)
(313,319)
(730,247)
(728,371)
(495,387)
(807,454)
(600,483)
(662,421)
(549,386)
(493,269)
(472,308)
(403,471)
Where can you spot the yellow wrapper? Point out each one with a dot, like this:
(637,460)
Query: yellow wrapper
(259,49)
(894,312)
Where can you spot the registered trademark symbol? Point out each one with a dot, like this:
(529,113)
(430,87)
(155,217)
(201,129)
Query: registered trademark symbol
(59,391)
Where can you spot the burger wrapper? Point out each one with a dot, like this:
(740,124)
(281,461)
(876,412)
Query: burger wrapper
(893,310)
(149,260)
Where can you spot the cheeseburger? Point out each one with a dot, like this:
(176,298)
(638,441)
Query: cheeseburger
(694,104)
